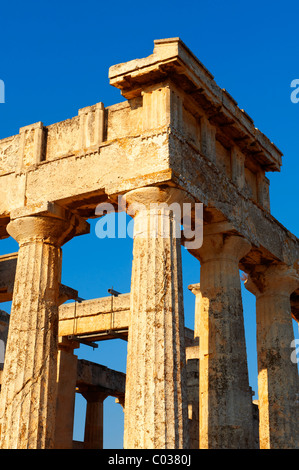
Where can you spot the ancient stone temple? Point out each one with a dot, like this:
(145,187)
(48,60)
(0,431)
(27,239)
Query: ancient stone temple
(177,137)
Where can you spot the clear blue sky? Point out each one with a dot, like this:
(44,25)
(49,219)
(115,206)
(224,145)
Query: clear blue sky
(54,60)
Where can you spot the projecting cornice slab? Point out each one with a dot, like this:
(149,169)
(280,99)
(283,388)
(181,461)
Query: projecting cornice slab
(172,59)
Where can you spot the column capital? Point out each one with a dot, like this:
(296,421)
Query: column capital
(121,401)
(94,396)
(49,223)
(222,246)
(142,198)
(195,288)
(276,279)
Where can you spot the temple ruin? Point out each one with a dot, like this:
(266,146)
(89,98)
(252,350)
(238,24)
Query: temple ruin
(177,137)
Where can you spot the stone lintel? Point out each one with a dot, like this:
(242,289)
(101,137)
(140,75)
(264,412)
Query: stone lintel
(94,316)
(96,377)
(97,319)
(67,293)
(157,178)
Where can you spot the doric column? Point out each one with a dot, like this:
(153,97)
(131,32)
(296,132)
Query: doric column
(192,357)
(195,289)
(66,380)
(192,360)
(156,397)
(225,399)
(28,396)
(278,382)
(93,434)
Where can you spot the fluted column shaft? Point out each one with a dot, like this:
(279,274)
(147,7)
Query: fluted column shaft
(28,395)
(278,382)
(156,397)
(225,397)
(93,434)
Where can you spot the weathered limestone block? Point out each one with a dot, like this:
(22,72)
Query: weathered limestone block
(9,148)
(162,106)
(96,376)
(238,168)
(32,146)
(124,119)
(156,396)
(156,107)
(278,382)
(95,315)
(225,399)
(28,395)
(263,193)
(63,138)
(92,125)
(208,139)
